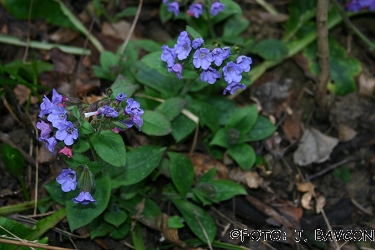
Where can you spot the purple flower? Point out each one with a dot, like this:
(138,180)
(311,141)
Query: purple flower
(50,144)
(197,42)
(202,58)
(121,96)
(67,179)
(232,72)
(226,52)
(135,119)
(108,111)
(355,5)
(174,7)
(244,63)
(45,130)
(133,107)
(67,133)
(84,198)
(177,69)
(219,56)
(46,107)
(232,88)
(168,55)
(165,1)
(195,10)
(182,49)
(57,116)
(56,97)
(210,75)
(183,37)
(216,7)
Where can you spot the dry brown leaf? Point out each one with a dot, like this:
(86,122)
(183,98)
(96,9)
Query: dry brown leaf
(94,98)
(320,203)
(171,234)
(22,93)
(366,85)
(118,30)
(44,155)
(346,133)
(249,178)
(63,35)
(291,127)
(279,18)
(203,163)
(305,187)
(62,62)
(314,147)
(305,201)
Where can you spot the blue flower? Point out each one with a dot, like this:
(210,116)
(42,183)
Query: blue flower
(232,72)
(183,37)
(50,144)
(244,63)
(121,97)
(195,10)
(182,49)
(210,75)
(45,130)
(108,111)
(67,133)
(133,107)
(177,69)
(226,52)
(84,198)
(218,55)
(56,97)
(216,7)
(174,7)
(46,107)
(67,179)
(232,88)
(202,58)
(197,42)
(57,116)
(168,55)
(135,119)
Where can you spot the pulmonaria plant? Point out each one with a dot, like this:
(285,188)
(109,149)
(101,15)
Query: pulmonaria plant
(211,61)
(357,5)
(196,8)
(63,121)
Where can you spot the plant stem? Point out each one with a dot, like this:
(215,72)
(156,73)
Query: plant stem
(24,190)
(268,7)
(21,207)
(187,87)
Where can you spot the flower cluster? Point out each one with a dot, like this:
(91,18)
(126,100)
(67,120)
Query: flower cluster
(357,5)
(54,125)
(195,9)
(130,115)
(68,181)
(208,61)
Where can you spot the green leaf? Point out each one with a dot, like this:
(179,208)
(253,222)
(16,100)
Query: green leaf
(182,126)
(343,69)
(79,215)
(227,137)
(17,65)
(342,173)
(226,189)
(123,85)
(148,45)
(243,119)
(243,154)
(86,128)
(47,223)
(127,12)
(129,56)
(155,123)
(81,146)
(235,26)
(13,159)
(137,238)
(208,176)
(271,49)
(172,107)
(110,147)
(182,172)
(192,32)
(231,8)
(261,129)
(108,60)
(196,218)
(208,114)
(121,232)
(44,9)
(115,218)
(18,229)
(76,160)
(175,222)
(99,228)
(204,192)
(225,107)
(167,84)
(164,14)
(299,13)
(140,162)
(54,190)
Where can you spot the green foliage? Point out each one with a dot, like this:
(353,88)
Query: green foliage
(182,127)
(262,129)
(182,172)
(13,159)
(342,173)
(271,49)
(243,154)
(172,107)
(175,222)
(235,26)
(155,123)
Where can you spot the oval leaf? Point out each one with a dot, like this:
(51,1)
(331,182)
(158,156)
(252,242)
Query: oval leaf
(182,172)
(79,215)
(226,189)
(110,147)
(155,123)
(243,154)
(271,49)
(261,130)
(243,119)
(172,107)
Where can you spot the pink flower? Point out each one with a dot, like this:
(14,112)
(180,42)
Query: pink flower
(66,151)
